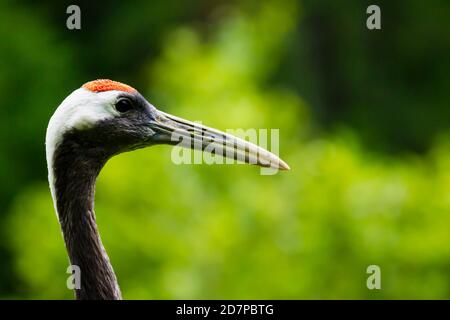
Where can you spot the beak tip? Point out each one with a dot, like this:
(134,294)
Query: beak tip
(283,166)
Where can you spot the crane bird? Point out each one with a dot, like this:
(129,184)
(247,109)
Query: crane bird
(95,122)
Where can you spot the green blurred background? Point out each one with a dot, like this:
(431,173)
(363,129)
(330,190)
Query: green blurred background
(364,124)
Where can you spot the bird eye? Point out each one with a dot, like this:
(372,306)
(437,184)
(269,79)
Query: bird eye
(124,105)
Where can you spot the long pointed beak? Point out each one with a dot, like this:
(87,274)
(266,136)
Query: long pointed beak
(176,131)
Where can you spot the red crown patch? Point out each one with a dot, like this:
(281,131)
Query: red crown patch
(102,85)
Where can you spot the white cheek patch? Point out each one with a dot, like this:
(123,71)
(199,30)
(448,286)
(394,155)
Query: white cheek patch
(81,110)
(89,115)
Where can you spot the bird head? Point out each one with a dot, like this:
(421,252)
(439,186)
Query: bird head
(109,117)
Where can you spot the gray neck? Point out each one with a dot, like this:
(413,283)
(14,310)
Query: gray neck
(75,170)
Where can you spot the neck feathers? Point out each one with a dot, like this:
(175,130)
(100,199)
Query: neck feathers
(75,168)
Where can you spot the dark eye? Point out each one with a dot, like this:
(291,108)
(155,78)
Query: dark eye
(124,105)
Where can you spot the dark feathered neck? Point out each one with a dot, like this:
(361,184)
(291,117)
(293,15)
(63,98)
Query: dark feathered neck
(75,170)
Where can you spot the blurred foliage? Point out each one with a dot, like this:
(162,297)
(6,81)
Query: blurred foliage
(220,231)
